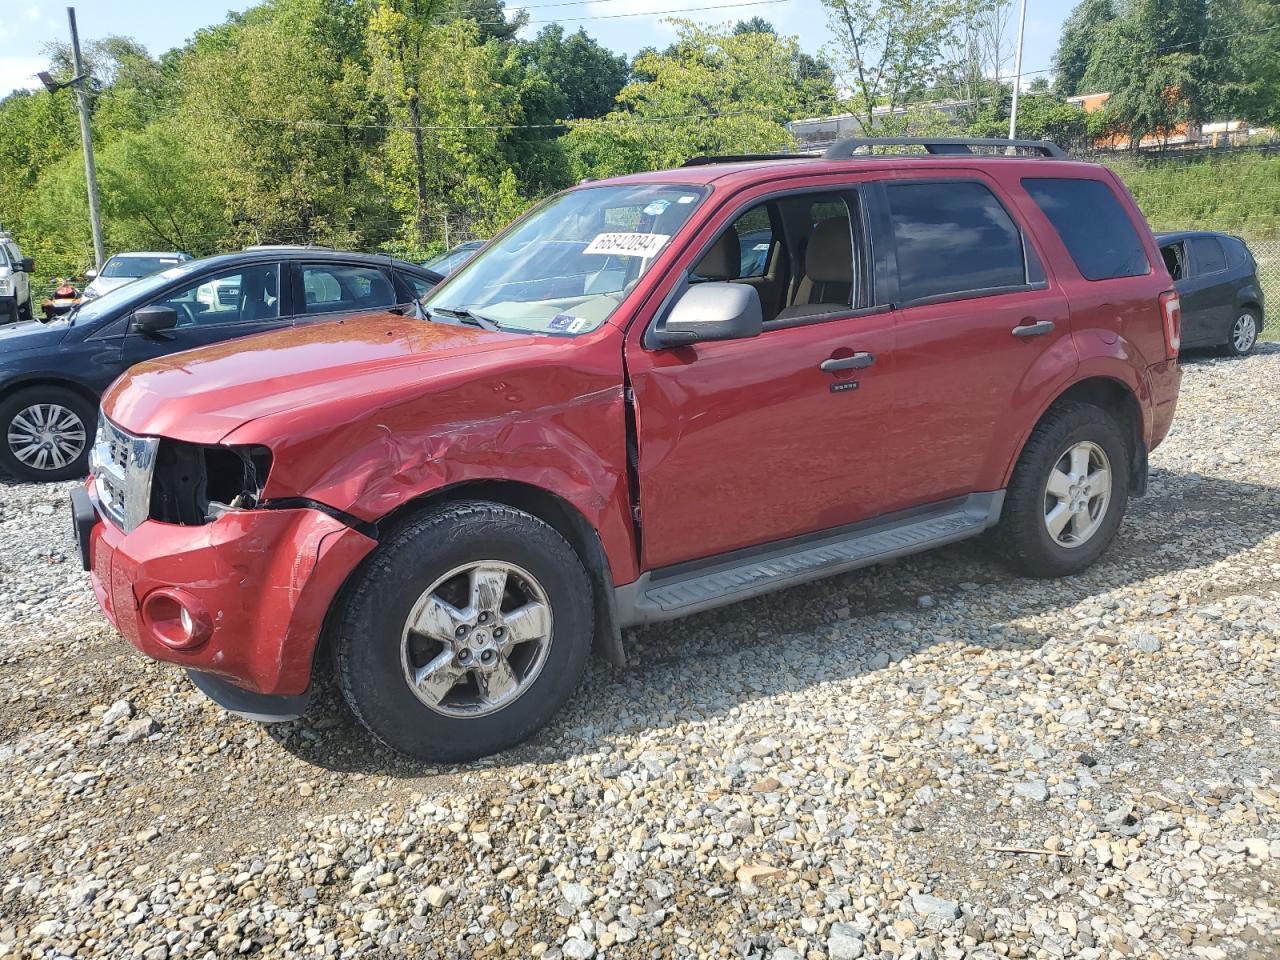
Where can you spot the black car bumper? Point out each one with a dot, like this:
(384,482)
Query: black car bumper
(83,517)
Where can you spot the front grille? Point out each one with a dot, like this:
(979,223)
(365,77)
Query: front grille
(122,467)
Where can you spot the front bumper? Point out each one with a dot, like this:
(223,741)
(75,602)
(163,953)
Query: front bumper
(258,582)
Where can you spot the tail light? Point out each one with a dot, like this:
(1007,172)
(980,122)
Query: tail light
(1171,314)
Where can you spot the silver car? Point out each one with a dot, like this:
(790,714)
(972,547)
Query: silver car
(126,267)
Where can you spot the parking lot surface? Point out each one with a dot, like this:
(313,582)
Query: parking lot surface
(932,759)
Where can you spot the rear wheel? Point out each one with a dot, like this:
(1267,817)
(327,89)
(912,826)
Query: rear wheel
(1067,495)
(467,632)
(45,434)
(1243,335)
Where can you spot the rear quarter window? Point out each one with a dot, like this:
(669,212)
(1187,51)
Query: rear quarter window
(1093,225)
(952,238)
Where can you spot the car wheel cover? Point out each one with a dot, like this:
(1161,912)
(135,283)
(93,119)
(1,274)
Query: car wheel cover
(476,639)
(1077,493)
(1244,332)
(46,436)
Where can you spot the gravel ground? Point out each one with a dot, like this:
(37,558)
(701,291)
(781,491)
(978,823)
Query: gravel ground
(927,759)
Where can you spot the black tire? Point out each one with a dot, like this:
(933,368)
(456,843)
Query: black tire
(1230,348)
(1021,538)
(15,403)
(367,647)
(24,311)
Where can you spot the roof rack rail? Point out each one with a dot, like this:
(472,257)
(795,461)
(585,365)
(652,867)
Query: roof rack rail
(844,149)
(742,157)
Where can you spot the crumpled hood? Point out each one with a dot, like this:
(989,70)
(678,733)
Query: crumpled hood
(31,335)
(203,395)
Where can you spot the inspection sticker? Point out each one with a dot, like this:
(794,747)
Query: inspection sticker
(561,321)
(627,244)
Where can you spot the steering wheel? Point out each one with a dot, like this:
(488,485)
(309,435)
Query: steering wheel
(184,309)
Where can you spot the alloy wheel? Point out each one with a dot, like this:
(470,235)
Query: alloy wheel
(1077,494)
(46,436)
(1244,332)
(476,639)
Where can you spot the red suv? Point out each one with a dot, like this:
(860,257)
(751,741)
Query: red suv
(650,396)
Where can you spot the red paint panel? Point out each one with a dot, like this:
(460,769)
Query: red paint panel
(265,577)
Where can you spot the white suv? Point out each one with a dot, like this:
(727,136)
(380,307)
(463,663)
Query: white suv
(15,281)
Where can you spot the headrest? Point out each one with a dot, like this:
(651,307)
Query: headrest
(724,260)
(829,256)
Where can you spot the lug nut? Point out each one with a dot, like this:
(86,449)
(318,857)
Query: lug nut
(460,632)
(486,657)
(484,617)
(464,655)
(499,633)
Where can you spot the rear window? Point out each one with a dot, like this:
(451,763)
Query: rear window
(1093,225)
(1207,255)
(952,238)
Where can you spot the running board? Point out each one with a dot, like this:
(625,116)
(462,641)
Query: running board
(704,584)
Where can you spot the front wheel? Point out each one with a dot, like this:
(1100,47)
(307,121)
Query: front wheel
(465,634)
(1067,495)
(1243,336)
(45,434)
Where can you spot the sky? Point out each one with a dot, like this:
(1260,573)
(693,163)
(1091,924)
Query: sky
(622,25)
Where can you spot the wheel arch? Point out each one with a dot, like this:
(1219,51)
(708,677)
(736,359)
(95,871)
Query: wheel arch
(50,380)
(1116,397)
(553,510)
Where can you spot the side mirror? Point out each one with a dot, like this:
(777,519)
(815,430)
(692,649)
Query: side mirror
(712,311)
(91,273)
(154,319)
(27,265)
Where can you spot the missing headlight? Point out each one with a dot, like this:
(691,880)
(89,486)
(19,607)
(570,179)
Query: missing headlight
(195,484)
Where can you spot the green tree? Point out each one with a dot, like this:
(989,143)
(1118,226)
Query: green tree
(1151,62)
(890,53)
(277,103)
(1243,45)
(1080,33)
(584,76)
(714,92)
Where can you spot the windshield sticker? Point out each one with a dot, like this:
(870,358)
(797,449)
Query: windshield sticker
(655,209)
(578,324)
(687,198)
(561,321)
(627,244)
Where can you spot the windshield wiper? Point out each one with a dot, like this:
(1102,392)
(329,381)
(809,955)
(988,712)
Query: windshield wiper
(467,316)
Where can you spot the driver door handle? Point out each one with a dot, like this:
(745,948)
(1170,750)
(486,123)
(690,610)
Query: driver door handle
(857,362)
(1037,328)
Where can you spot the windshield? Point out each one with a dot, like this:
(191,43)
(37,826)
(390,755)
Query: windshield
(568,265)
(132,294)
(136,266)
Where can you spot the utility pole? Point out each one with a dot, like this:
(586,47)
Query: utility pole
(90,171)
(1017,72)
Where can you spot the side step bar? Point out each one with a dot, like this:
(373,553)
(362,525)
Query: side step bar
(704,584)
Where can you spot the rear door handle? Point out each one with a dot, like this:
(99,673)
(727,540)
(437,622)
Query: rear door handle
(1037,329)
(857,362)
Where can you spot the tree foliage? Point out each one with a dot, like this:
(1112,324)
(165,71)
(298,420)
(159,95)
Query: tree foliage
(404,125)
(715,91)
(891,53)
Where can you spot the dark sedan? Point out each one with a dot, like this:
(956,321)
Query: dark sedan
(1217,282)
(51,374)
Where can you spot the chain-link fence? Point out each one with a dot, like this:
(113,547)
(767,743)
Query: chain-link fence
(1267,253)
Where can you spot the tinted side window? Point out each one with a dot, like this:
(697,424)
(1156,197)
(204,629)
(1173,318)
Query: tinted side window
(1207,255)
(952,238)
(252,293)
(332,288)
(412,286)
(1094,227)
(1237,253)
